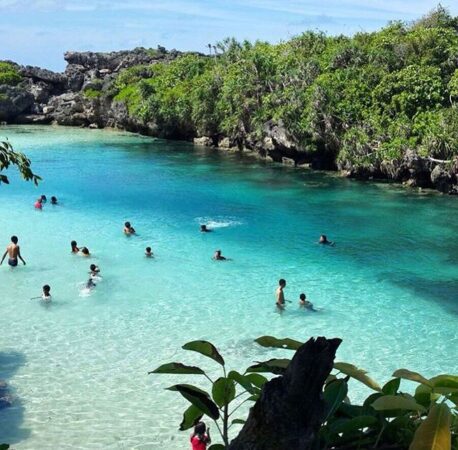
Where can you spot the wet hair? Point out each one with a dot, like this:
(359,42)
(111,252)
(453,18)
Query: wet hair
(302,297)
(73,244)
(203,227)
(148,249)
(14,239)
(281,281)
(85,251)
(199,429)
(53,199)
(43,197)
(46,288)
(93,267)
(127,224)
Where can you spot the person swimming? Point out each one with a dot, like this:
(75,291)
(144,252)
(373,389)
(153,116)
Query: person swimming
(46,295)
(14,253)
(85,252)
(324,240)
(94,270)
(43,198)
(38,204)
(304,303)
(53,200)
(90,284)
(148,252)
(204,229)
(218,256)
(75,248)
(128,229)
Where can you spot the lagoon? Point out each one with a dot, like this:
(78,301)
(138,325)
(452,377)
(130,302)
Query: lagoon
(78,367)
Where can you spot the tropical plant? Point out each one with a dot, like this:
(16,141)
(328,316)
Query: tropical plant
(389,418)
(10,157)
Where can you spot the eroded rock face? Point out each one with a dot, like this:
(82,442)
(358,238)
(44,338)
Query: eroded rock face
(442,179)
(14,100)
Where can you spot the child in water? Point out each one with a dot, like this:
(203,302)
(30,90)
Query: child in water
(128,229)
(53,200)
(75,248)
(304,303)
(94,270)
(46,295)
(148,252)
(200,438)
(85,251)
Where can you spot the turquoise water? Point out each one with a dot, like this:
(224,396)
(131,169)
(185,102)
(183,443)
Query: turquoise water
(78,367)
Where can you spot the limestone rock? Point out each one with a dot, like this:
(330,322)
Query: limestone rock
(204,141)
(441,179)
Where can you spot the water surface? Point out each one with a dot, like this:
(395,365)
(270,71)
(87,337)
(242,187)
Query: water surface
(78,367)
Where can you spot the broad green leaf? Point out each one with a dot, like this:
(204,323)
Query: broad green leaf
(273,342)
(190,417)
(351,425)
(391,402)
(391,388)
(424,395)
(334,394)
(358,374)
(239,421)
(412,376)
(178,368)
(223,391)
(256,379)
(242,380)
(205,348)
(217,447)
(445,384)
(198,398)
(434,432)
(275,366)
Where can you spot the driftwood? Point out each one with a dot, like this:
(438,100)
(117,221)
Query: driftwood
(290,410)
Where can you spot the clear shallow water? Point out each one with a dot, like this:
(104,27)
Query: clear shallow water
(78,366)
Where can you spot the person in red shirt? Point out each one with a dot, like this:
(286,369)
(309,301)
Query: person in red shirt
(201,437)
(39,204)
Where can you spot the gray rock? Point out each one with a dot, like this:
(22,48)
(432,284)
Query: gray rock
(288,161)
(441,179)
(38,74)
(14,101)
(204,141)
(224,143)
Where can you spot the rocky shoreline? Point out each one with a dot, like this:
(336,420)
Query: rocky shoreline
(83,96)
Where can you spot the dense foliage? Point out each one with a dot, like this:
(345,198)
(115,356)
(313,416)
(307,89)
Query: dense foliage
(388,418)
(363,99)
(9,74)
(10,157)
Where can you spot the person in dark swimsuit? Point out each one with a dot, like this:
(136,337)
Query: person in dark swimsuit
(14,253)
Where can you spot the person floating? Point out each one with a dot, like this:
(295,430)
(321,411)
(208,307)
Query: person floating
(200,438)
(204,229)
(39,203)
(218,256)
(46,295)
(75,248)
(280,295)
(149,252)
(324,240)
(85,252)
(304,303)
(53,200)
(128,229)
(14,252)
(43,198)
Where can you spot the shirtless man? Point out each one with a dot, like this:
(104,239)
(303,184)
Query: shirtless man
(129,229)
(280,294)
(13,251)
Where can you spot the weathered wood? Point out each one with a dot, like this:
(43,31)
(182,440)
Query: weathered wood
(290,410)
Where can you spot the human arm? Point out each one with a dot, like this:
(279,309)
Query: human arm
(3,258)
(19,256)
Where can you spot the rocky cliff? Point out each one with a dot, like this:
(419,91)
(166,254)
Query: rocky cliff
(83,95)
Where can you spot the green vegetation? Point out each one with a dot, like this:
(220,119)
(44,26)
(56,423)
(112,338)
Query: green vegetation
(10,157)
(92,93)
(9,74)
(363,99)
(387,418)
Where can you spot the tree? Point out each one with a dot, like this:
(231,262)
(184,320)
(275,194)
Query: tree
(10,157)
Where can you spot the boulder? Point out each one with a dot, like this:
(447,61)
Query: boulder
(225,142)
(442,179)
(288,161)
(14,101)
(39,74)
(204,141)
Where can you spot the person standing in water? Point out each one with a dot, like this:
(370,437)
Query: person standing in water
(128,229)
(14,253)
(46,295)
(75,248)
(149,252)
(38,204)
(280,295)
(304,303)
(200,438)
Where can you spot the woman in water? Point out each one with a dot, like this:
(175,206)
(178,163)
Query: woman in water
(85,251)
(201,437)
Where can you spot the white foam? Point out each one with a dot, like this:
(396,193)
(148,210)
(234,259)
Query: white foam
(219,222)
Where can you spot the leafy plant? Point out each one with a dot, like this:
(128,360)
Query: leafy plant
(427,419)
(10,157)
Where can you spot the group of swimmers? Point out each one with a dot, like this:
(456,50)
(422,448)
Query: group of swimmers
(281,301)
(43,199)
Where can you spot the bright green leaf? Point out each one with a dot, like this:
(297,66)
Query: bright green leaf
(242,380)
(190,417)
(391,388)
(223,391)
(256,379)
(198,398)
(391,402)
(412,376)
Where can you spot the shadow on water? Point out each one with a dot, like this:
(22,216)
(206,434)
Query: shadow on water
(444,292)
(12,414)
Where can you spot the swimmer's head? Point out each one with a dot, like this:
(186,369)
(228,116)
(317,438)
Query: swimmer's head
(148,249)
(73,244)
(203,227)
(14,239)
(323,238)
(200,428)
(85,251)
(46,289)
(217,252)
(53,199)
(93,267)
(43,198)
(127,224)
(282,282)
(302,297)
